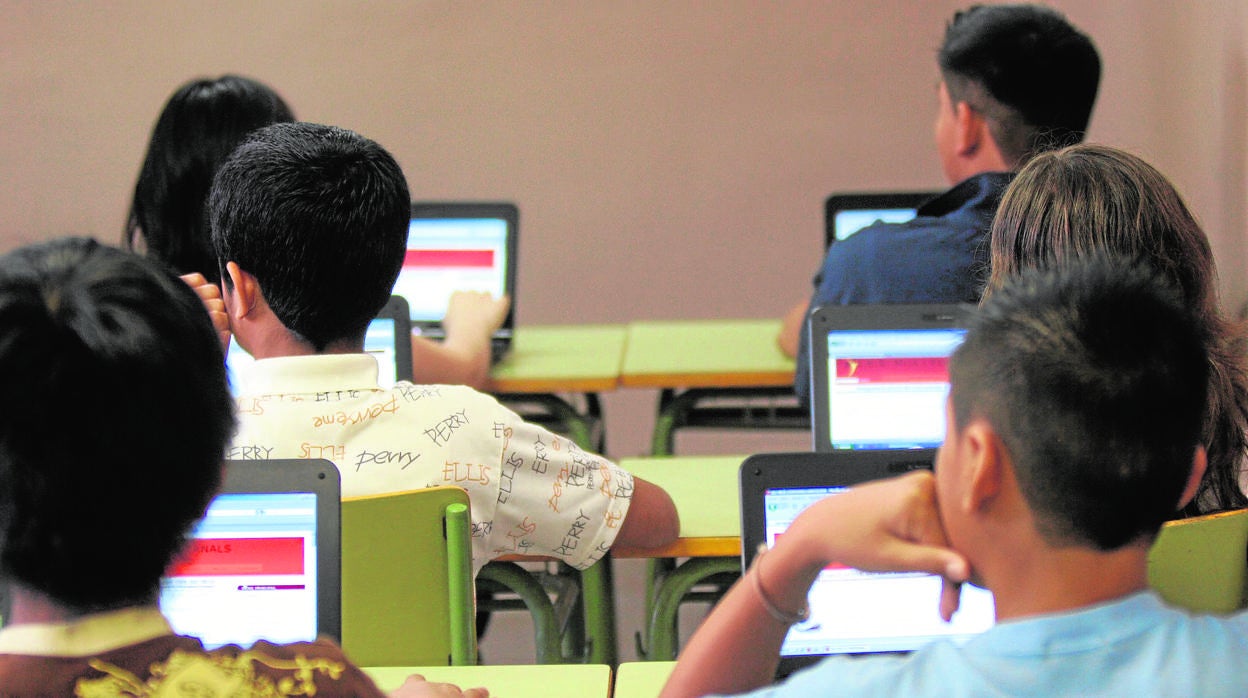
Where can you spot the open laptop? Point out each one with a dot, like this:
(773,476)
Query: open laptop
(388,339)
(264,562)
(459,246)
(879,374)
(846,214)
(851,612)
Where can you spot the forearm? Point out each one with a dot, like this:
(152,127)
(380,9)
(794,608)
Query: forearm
(736,648)
(456,361)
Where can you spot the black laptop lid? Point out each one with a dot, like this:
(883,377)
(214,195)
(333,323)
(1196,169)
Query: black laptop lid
(846,214)
(265,561)
(852,612)
(880,374)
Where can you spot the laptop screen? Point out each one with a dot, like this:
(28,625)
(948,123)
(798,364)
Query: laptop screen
(887,388)
(452,248)
(387,339)
(855,612)
(846,214)
(250,572)
(846,223)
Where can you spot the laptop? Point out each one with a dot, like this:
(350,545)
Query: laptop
(851,612)
(846,214)
(879,374)
(388,339)
(264,562)
(459,246)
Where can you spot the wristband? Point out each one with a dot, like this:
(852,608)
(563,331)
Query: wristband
(774,611)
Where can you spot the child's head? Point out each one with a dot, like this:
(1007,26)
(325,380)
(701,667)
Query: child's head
(1093,376)
(197,130)
(318,215)
(116,418)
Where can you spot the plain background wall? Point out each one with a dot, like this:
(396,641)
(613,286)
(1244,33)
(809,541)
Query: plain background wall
(669,157)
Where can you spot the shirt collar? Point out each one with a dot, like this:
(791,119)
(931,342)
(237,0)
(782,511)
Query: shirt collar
(90,635)
(309,374)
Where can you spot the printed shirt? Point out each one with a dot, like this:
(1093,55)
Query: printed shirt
(531,492)
(133,652)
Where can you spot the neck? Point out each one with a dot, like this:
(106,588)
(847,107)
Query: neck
(268,340)
(30,606)
(1043,579)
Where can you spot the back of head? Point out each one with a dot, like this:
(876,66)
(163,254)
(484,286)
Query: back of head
(117,416)
(1090,199)
(1093,374)
(199,127)
(319,216)
(1025,68)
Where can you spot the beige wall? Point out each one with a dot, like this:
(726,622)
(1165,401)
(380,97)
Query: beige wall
(670,157)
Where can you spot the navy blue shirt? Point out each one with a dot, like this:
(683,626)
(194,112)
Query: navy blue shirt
(941,256)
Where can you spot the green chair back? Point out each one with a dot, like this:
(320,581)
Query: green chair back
(1200,563)
(407,579)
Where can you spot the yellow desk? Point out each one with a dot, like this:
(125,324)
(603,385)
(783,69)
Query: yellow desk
(509,681)
(705,491)
(548,360)
(712,373)
(641,679)
(561,359)
(705,354)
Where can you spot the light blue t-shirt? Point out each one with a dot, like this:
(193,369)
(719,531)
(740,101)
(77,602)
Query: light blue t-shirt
(1133,647)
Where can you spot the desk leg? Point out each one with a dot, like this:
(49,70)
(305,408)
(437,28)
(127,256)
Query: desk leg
(677,584)
(599,604)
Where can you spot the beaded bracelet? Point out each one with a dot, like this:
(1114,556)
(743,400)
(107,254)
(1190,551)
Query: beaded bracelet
(774,611)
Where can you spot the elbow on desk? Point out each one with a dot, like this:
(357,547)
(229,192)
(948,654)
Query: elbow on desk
(652,521)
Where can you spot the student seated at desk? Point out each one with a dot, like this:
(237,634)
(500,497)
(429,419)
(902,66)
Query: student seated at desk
(310,225)
(1073,433)
(111,448)
(199,126)
(1092,198)
(1015,80)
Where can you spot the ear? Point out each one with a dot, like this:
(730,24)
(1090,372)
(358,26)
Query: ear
(984,465)
(1200,460)
(241,293)
(971,129)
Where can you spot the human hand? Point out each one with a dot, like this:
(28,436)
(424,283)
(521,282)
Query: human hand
(210,294)
(474,314)
(891,525)
(417,687)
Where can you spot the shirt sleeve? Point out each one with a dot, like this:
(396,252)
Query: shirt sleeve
(554,499)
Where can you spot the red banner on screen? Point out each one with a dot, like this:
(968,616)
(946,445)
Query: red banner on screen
(233,556)
(924,369)
(449,258)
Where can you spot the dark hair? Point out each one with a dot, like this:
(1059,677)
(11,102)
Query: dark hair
(117,417)
(1089,199)
(1094,375)
(319,216)
(1027,70)
(198,128)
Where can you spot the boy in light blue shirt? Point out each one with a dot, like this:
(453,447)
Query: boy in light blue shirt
(1073,432)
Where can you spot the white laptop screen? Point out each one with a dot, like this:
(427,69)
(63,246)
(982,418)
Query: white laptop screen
(379,341)
(445,255)
(853,611)
(848,222)
(887,388)
(250,572)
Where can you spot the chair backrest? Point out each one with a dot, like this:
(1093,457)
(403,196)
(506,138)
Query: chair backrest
(407,579)
(1200,563)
